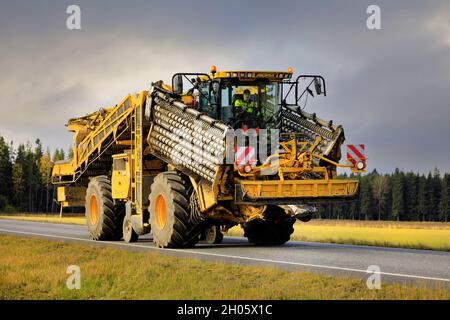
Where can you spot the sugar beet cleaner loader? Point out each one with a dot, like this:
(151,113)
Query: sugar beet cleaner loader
(192,159)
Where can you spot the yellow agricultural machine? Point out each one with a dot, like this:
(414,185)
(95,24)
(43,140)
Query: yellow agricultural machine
(180,162)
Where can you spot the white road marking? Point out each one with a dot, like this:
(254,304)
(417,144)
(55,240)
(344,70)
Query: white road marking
(231,256)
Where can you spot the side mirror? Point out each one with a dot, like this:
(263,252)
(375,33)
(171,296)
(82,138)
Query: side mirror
(318,86)
(178,84)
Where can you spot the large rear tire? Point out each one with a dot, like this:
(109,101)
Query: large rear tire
(170,220)
(104,218)
(276,229)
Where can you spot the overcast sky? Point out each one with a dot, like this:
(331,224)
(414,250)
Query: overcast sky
(389,88)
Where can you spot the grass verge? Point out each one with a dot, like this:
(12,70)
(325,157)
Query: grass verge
(413,235)
(80,220)
(36,269)
(398,237)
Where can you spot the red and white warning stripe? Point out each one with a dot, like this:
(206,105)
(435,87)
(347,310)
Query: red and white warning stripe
(355,154)
(244,156)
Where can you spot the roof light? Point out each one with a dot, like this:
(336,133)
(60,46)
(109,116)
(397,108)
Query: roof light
(290,70)
(213,69)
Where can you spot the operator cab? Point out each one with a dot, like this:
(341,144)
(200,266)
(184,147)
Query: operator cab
(220,95)
(246,99)
(262,101)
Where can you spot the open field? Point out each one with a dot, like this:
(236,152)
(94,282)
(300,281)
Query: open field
(415,235)
(36,269)
(431,236)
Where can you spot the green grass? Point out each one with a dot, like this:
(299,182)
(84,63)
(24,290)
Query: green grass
(414,235)
(36,269)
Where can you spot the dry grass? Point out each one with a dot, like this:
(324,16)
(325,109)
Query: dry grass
(81,220)
(414,235)
(382,224)
(36,269)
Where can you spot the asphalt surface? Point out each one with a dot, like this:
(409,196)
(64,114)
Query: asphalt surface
(396,265)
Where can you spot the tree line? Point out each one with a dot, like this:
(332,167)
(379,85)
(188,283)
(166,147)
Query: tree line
(25,186)
(401,196)
(25,177)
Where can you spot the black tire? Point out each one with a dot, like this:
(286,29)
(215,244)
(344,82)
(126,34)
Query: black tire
(213,235)
(104,218)
(129,235)
(170,219)
(276,229)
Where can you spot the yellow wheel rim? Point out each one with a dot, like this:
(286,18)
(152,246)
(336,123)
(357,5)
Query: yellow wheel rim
(161,211)
(93,209)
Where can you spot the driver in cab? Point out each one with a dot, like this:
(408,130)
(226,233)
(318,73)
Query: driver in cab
(245,111)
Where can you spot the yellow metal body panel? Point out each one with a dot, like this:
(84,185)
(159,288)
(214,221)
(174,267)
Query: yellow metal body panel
(63,169)
(251,75)
(71,196)
(61,194)
(121,176)
(275,189)
(137,152)
(206,197)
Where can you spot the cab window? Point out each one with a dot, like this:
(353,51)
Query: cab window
(205,106)
(263,97)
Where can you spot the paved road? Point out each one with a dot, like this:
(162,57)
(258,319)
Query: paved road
(396,265)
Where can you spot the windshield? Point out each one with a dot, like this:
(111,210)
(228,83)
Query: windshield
(251,104)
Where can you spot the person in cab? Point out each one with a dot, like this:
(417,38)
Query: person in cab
(246,112)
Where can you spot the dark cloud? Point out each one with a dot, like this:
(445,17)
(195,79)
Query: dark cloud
(388,88)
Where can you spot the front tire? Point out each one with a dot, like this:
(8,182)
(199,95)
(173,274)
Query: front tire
(129,235)
(170,220)
(104,218)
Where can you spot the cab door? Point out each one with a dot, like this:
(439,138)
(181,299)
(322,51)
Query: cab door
(121,176)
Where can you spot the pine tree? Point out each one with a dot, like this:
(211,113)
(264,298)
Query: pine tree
(62,154)
(422,198)
(410,196)
(24,178)
(5,174)
(19,179)
(70,152)
(366,198)
(37,178)
(45,168)
(444,204)
(436,193)
(56,155)
(431,198)
(398,195)
(380,189)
